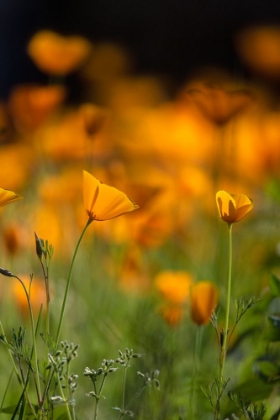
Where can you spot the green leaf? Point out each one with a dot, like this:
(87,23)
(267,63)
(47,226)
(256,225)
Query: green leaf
(266,368)
(255,389)
(274,284)
(12,409)
(60,412)
(273,189)
(275,415)
(272,331)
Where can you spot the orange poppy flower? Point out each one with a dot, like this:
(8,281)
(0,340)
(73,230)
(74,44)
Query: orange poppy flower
(31,105)
(233,207)
(259,49)
(204,297)
(12,238)
(103,202)
(7,197)
(37,294)
(172,314)
(56,54)
(217,96)
(174,286)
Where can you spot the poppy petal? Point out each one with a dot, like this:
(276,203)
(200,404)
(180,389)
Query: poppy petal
(103,202)
(7,197)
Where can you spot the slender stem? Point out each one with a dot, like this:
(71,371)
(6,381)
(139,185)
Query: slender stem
(6,390)
(47,288)
(38,386)
(68,282)
(139,392)
(64,399)
(196,359)
(123,396)
(98,397)
(224,344)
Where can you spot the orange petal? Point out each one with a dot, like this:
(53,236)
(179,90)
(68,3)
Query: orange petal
(243,205)
(103,202)
(233,207)
(174,286)
(204,297)
(226,206)
(7,197)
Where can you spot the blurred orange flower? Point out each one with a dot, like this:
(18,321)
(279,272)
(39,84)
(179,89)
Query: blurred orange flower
(7,197)
(64,137)
(103,202)
(37,294)
(217,95)
(93,117)
(233,207)
(259,49)
(56,54)
(204,297)
(30,105)
(12,238)
(174,286)
(172,314)
(16,164)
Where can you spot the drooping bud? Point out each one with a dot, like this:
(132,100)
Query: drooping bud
(39,246)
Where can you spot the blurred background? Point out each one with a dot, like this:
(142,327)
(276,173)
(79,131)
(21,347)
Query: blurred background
(169,101)
(170,39)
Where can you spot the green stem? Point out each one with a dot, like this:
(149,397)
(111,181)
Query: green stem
(197,347)
(38,386)
(68,282)
(224,345)
(6,390)
(139,392)
(47,289)
(98,397)
(123,396)
(225,336)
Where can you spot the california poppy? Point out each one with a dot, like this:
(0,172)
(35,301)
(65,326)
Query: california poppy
(57,54)
(174,286)
(259,49)
(37,294)
(233,207)
(204,297)
(103,202)
(7,197)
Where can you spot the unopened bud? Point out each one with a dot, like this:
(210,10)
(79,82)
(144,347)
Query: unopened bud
(39,246)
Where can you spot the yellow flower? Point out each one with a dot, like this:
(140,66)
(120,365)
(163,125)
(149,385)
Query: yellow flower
(103,202)
(7,197)
(204,297)
(233,207)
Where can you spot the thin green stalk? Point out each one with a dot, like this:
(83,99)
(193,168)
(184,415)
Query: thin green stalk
(123,396)
(65,400)
(225,337)
(98,397)
(221,383)
(6,390)
(139,392)
(47,288)
(38,386)
(35,352)
(68,282)
(196,360)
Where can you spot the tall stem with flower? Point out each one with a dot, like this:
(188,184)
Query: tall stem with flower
(232,208)
(101,202)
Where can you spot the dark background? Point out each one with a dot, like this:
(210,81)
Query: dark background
(169,38)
